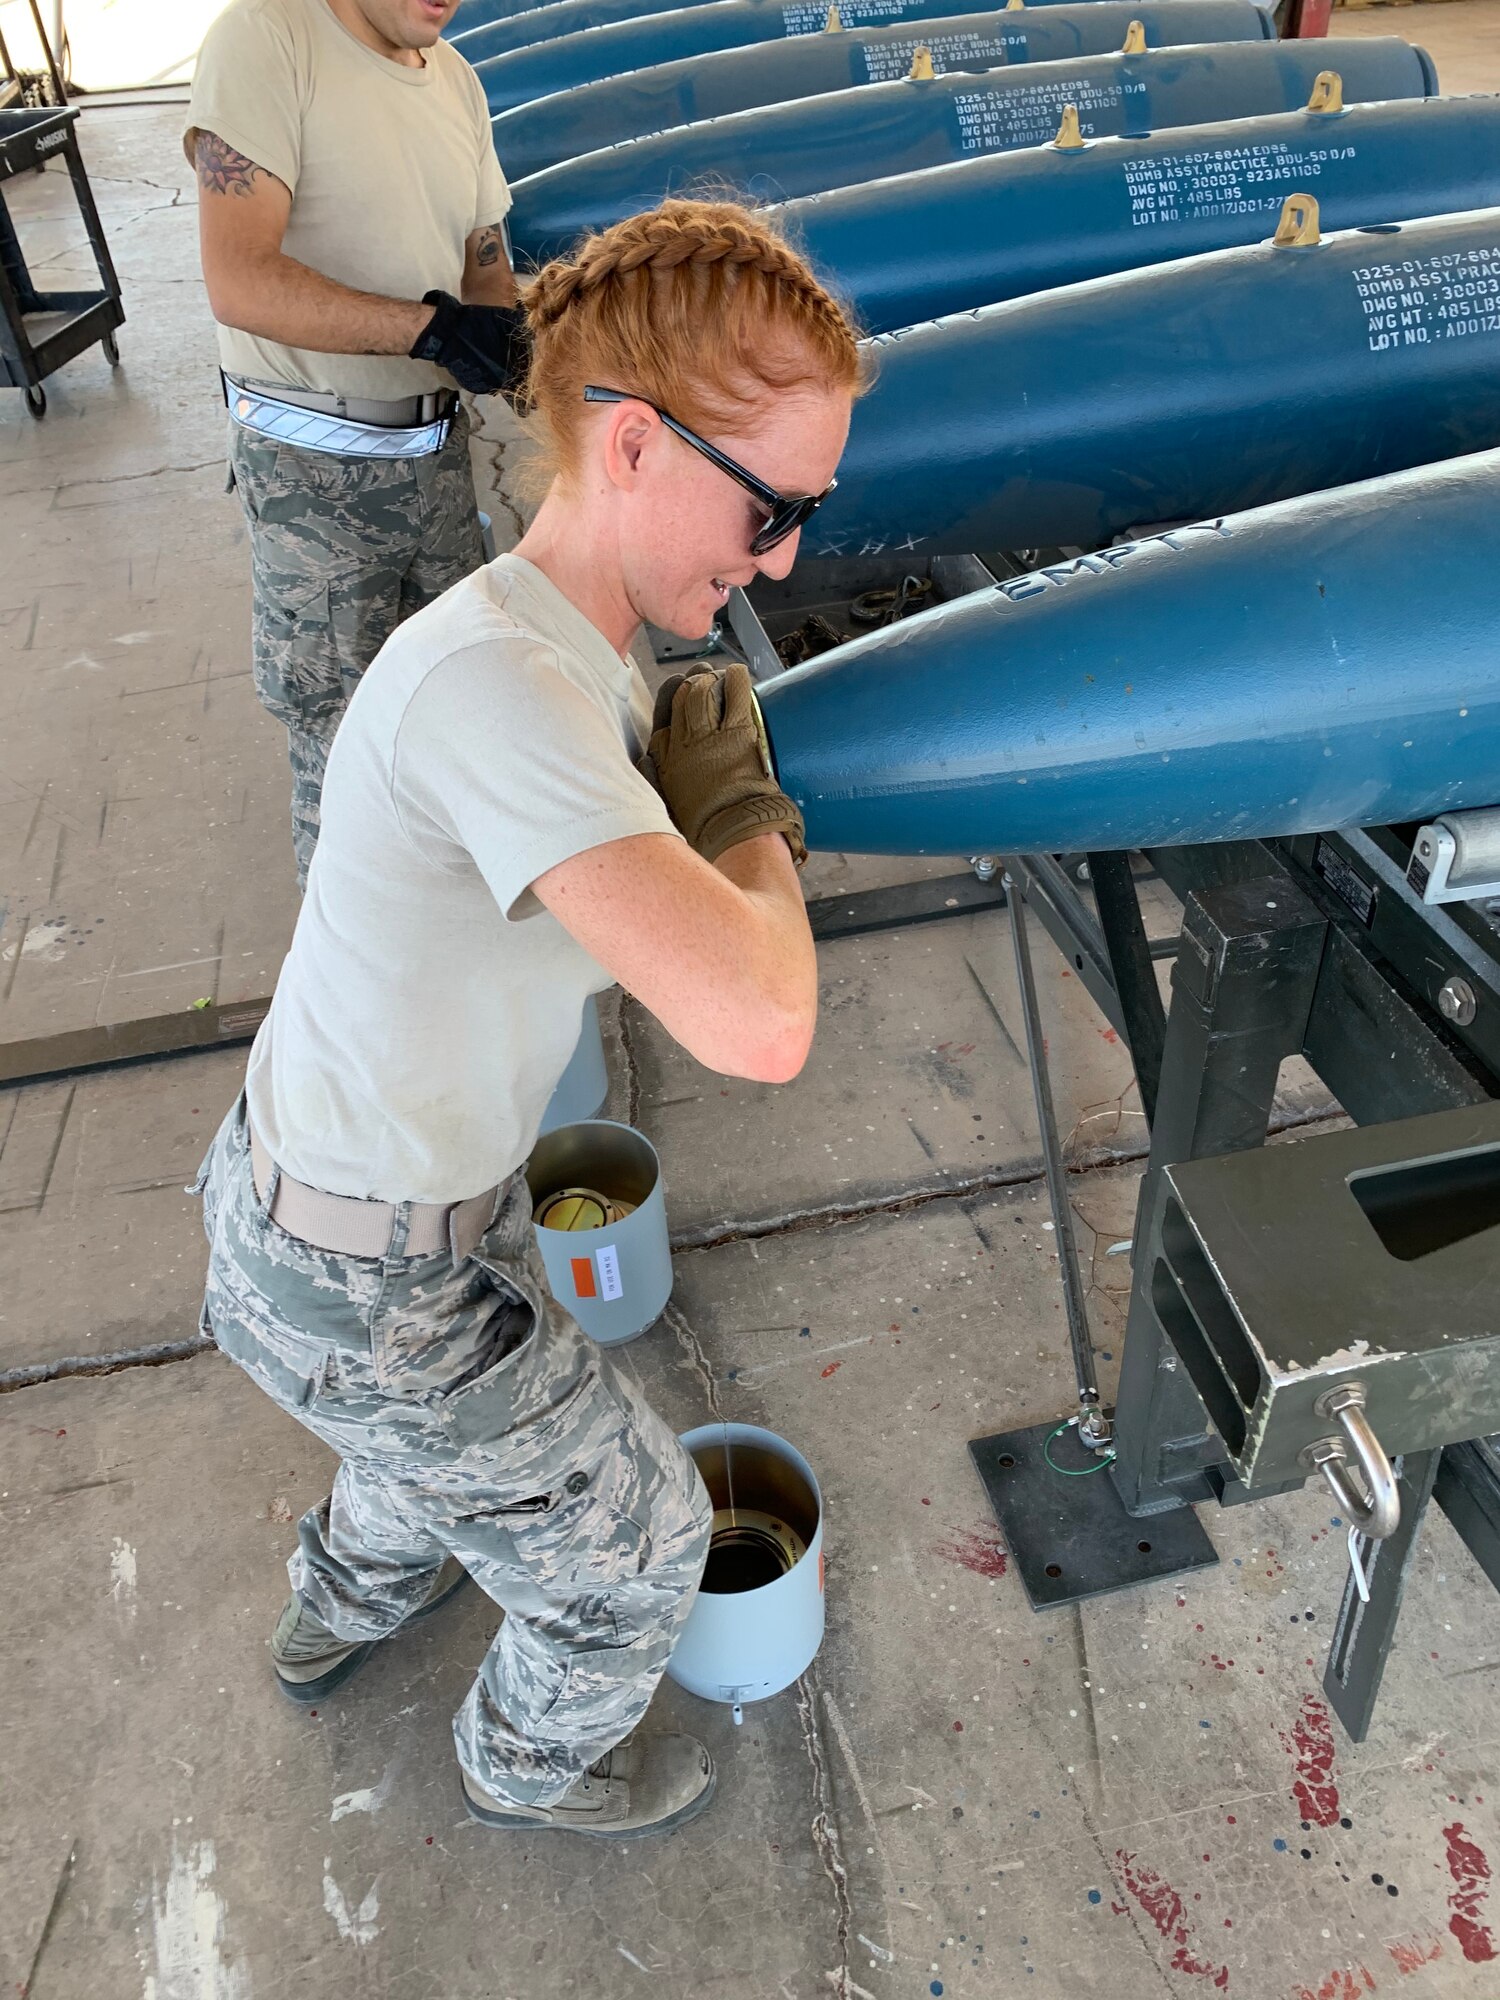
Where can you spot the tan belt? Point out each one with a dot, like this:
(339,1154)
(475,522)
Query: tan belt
(406,411)
(355,1228)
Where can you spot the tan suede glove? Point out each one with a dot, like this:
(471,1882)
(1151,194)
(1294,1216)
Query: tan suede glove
(710,761)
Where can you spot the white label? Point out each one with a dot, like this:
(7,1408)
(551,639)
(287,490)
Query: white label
(1412,301)
(885,61)
(608,1260)
(994,121)
(810,17)
(1228,180)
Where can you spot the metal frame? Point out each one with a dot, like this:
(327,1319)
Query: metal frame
(1093,1428)
(28,139)
(1315,947)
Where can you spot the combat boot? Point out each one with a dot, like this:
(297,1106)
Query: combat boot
(647,1784)
(311,1661)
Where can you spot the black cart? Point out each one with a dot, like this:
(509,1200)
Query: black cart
(39,331)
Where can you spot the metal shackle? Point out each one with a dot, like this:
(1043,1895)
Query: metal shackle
(1373,1506)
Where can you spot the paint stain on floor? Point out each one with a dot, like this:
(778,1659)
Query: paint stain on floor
(188,1954)
(977,1549)
(1309,1743)
(1343,1983)
(1167,1911)
(1410,1954)
(1470,1870)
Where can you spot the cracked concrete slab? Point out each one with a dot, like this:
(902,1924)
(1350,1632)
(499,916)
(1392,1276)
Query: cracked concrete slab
(138,770)
(101,1250)
(227,1844)
(1044,1802)
(102,1158)
(961,1796)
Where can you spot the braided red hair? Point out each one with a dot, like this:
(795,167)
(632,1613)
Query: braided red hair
(698,306)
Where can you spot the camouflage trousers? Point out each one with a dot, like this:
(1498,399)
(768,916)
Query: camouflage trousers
(341,550)
(472,1418)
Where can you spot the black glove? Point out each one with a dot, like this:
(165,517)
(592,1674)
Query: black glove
(484,348)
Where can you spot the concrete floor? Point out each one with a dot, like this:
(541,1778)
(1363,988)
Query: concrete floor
(962,1797)
(1461,36)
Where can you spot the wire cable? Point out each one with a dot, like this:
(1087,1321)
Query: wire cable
(1063,1471)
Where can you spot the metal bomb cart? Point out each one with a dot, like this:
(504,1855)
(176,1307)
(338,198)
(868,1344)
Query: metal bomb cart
(40,330)
(1325,1308)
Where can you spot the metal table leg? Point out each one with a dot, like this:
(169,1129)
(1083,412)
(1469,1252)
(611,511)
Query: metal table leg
(1065,1527)
(1363,1635)
(1120,919)
(1092,1424)
(1242,986)
(1467,1489)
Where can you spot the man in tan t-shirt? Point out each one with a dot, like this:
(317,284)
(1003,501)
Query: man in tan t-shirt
(348,189)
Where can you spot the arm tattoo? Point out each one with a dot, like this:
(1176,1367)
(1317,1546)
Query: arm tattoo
(221,170)
(491,245)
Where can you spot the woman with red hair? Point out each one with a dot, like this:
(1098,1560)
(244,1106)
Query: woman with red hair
(492,854)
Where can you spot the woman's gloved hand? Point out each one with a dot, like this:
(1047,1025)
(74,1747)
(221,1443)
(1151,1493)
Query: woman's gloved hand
(711,762)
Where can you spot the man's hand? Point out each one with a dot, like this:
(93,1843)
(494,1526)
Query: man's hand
(484,348)
(711,764)
(242,218)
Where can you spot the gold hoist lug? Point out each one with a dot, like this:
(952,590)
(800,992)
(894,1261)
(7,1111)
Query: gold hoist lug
(1327,93)
(1298,227)
(1135,39)
(1069,138)
(921,70)
(834,24)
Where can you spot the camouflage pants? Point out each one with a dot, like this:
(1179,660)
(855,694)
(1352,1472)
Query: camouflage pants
(473,1418)
(341,550)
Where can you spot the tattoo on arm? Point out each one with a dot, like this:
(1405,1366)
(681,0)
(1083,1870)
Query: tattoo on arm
(491,245)
(221,170)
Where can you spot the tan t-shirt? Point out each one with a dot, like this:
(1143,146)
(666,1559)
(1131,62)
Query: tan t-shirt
(429,1003)
(390,169)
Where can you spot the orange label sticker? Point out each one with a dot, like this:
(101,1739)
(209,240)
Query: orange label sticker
(583,1277)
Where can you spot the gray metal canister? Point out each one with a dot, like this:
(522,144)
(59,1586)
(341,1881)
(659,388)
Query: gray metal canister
(584,1084)
(752,1630)
(614,1279)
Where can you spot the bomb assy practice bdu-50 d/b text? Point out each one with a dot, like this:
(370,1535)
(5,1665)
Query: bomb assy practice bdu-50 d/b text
(778,152)
(537,133)
(480,39)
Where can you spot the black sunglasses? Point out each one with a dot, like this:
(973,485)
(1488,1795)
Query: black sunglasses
(786,512)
